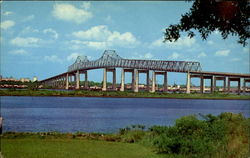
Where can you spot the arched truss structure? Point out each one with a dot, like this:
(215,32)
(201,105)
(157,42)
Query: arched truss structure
(111,59)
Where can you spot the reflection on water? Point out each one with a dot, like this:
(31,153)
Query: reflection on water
(71,114)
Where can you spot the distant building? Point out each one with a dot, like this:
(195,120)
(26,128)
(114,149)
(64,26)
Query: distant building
(25,80)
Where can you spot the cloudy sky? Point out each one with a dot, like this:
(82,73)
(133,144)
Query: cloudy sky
(43,38)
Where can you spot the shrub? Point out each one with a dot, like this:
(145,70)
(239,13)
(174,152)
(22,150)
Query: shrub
(226,135)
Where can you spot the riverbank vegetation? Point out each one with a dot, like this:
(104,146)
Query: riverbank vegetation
(126,94)
(226,135)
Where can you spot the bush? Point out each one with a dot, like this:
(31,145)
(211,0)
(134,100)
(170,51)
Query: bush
(211,137)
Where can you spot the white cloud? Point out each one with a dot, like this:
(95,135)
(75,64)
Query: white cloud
(19,52)
(174,56)
(7,13)
(78,44)
(142,56)
(73,56)
(49,30)
(101,37)
(26,42)
(157,43)
(222,52)
(53,58)
(28,30)
(100,32)
(125,39)
(7,24)
(181,42)
(202,54)
(69,12)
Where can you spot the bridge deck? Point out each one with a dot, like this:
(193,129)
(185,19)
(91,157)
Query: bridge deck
(226,74)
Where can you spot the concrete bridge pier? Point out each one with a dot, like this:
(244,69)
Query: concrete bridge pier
(165,84)
(211,82)
(123,72)
(122,80)
(212,88)
(114,79)
(233,79)
(133,79)
(202,84)
(244,84)
(218,78)
(104,82)
(188,83)
(105,70)
(67,81)
(147,77)
(153,81)
(86,80)
(77,77)
(136,83)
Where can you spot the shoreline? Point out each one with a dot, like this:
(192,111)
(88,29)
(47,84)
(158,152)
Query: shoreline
(112,94)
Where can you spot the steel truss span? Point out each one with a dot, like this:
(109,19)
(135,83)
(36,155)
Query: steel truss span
(111,59)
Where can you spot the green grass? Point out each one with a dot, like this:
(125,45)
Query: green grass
(82,93)
(72,148)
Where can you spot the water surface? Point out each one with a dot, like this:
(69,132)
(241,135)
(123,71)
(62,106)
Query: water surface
(91,114)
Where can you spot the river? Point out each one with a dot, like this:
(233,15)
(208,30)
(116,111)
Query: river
(91,114)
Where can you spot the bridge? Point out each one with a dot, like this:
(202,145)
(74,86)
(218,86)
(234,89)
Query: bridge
(110,60)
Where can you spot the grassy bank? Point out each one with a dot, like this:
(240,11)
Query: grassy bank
(72,148)
(223,136)
(82,93)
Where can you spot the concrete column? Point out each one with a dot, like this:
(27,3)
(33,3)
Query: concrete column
(104,85)
(153,81)
(214,89)
(77,79)
(136,88)
(133,80)
(212,85)
(114,80)
(67,81)
(74,82)
(148,88)
(188,83)
(86,79)
(202,84)
(228,84)
(165,84)
(244,86)
(239,83)
(224,84)
(70,80)
(122,80)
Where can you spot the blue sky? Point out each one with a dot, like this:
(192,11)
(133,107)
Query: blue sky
(43,38)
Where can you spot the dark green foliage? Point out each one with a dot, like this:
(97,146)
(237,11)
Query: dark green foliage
(133,133)
(212,137)
(206,16)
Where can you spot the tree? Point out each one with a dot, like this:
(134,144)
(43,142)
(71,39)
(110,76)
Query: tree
(206,16)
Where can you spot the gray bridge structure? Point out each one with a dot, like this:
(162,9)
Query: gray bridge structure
(110,60)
